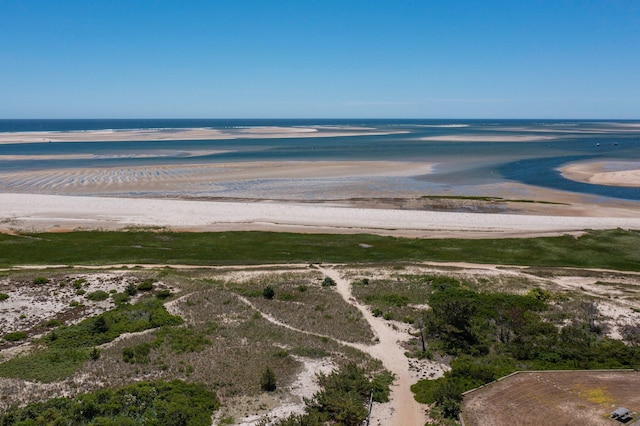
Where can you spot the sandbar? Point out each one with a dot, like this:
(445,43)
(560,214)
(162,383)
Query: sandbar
(610,173)
(152,154)
(110,135)
(488,138)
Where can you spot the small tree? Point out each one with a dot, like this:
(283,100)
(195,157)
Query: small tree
(100,326)
(268,380)
(94,354)
(131,289)
(268,292)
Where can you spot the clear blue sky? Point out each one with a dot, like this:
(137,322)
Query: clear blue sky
(320,59)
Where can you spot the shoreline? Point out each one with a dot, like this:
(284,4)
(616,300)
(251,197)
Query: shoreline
(38,212)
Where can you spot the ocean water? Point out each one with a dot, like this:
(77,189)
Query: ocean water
(485,160)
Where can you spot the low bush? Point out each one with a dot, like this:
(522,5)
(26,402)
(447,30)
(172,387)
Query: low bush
(158,403)
(328,282)
(146,285)
(138,354)
(286,297)
(120,298)
(53,323)
(3,296)
(97,296)
(181,340)
(40,280)
(164,294)
(15,336)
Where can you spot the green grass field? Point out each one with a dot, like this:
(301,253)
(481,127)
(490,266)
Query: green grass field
(616,249)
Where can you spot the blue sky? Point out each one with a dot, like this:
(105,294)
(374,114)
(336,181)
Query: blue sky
(320,59)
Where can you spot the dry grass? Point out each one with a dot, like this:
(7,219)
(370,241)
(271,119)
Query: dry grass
(302,302)
(243,342)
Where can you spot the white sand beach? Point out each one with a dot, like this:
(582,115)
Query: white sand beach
(53,212)
(612,173)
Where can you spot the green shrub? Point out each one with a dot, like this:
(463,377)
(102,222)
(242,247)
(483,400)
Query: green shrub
(53,323)
(164,294)
(120,298)
(309,352)
(156,403)
(15,336)
(146,285)
(268,292)
(131,289)
(65,349)
(94,354)
(40,280)
(181,340)
(211,327)
(343,398)
(328,282)
(408,319)
(286,297)
(3,296)
(97,295)
(138,354)
(540,294)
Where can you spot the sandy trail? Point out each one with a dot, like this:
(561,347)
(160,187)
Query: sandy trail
(406,410)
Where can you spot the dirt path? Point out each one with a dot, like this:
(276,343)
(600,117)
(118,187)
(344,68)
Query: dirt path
(406,410)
